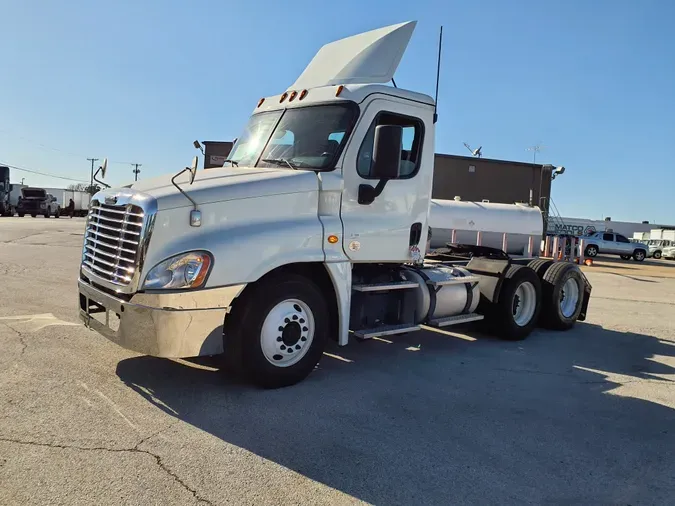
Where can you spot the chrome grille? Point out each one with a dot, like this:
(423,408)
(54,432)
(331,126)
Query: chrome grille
(112,241)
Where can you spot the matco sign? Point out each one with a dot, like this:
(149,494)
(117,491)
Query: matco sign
(578,230)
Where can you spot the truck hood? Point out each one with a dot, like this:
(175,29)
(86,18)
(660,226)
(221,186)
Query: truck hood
(226,183)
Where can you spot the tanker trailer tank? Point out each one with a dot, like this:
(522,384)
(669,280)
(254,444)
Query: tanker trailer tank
(519,221)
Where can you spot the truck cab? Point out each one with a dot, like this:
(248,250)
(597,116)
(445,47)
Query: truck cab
(315,229)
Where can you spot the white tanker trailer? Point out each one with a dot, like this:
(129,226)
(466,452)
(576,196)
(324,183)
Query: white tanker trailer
(520,222)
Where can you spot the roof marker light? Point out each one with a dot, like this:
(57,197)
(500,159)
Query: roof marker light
(293,95)
(339,90)
(283,97)
(303,94)
(260,102)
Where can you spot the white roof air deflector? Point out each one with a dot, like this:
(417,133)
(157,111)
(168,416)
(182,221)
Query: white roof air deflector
(367,58)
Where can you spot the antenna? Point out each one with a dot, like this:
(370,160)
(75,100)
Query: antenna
(535,149)
(475,152)
(438,74)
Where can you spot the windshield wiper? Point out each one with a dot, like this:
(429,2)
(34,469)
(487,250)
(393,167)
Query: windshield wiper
(233,162)
(280,162)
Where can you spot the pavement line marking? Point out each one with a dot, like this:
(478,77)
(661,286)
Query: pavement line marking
(38,321)
(338,357)
(449,334)
(115,408)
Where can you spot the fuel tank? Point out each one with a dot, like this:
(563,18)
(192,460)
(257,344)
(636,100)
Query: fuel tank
(441,292)
(519,221)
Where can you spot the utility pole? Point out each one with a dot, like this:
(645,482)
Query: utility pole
(91,180)
(136,170)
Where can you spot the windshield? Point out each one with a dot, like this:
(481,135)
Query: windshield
(302,138)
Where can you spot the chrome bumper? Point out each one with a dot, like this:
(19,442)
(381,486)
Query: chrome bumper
(170,325)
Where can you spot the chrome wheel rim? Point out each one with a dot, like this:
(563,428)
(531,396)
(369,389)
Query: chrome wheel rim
(524,304)
(287,333)
(639,255)
(592,251)
(569,297)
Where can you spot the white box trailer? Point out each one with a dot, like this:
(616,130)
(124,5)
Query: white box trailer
(81,199)
(316,230)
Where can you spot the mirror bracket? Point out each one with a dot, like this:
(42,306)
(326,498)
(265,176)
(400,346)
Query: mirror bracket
(368,194)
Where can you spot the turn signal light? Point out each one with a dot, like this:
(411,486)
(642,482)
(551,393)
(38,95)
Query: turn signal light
(333,239)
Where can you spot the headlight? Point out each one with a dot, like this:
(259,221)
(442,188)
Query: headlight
(187,270)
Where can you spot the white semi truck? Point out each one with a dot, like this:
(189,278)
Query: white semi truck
(314,230)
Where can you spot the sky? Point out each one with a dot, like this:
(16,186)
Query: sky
(137,81)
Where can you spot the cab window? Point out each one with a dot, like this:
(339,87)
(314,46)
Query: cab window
(411,149)
(608,237)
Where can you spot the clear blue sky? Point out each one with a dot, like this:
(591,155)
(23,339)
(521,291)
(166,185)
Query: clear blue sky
(138,81)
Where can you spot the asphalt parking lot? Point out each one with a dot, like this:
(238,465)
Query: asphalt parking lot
(582,417)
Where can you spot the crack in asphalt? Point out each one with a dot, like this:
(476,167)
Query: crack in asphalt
(135,449)
(10,241)
(21,337)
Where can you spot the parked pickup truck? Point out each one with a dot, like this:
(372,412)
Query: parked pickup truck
(656,247)
(609,243)
(36,201)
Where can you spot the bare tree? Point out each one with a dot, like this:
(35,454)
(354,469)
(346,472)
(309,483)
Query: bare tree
(80,187)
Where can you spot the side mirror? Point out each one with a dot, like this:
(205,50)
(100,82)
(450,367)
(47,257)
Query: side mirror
(193,168)
(104,168)
(387,152)
(386,163)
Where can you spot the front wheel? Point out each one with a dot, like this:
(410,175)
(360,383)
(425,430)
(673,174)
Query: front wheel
(657,255)
(591,251)
(278,331)
(639,255)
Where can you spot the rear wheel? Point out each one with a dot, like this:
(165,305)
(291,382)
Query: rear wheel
(515,314)
(657,255)
(562,296)
(639,255)
(278,331)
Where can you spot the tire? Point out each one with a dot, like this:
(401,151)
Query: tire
(657,255)
(520,283)
(277,332)
(591,251)
(46,215)
(625,257)
(562,296)
(57,214)
(21,215)
(639,255)
(539,266)
(34,215)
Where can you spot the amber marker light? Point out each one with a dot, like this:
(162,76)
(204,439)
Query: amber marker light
(293,95)
(333,239)
(283,97)
(260,102)
(303,94)
(339,90)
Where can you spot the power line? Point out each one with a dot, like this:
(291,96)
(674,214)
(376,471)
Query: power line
(41,173)
(51,148)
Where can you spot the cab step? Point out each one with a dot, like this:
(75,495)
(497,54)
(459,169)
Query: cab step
(454,281)
(455,320)
(380,287)
(386,330)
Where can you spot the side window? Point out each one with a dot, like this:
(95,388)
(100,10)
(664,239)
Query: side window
(608,237)
(621,238)
(411,150)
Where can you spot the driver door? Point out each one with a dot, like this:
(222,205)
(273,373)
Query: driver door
(381,231)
